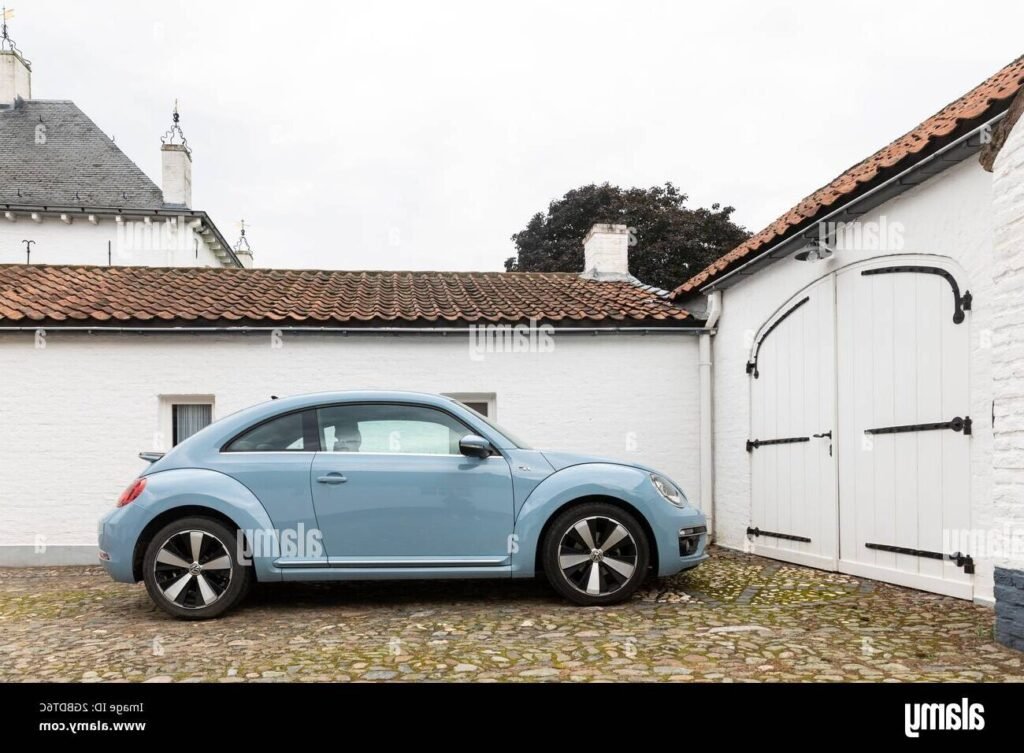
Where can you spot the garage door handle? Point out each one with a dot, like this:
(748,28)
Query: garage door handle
(331,478)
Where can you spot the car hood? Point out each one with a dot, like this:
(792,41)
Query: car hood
(560,460)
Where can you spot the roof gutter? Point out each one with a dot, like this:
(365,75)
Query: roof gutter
(476,328)
(961,141)
(105,211)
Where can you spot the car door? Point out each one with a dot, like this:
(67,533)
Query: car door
(391,490)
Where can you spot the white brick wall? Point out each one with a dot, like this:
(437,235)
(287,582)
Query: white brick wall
(1008,340)
(74,415)
(949,215)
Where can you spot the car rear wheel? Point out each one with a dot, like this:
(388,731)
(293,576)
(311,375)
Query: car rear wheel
(596,553)
(191,569)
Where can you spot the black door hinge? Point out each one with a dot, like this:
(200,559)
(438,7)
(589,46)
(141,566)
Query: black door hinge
(964,561)
(961,303)
(753,444)
(774,535)
(957,424)
(752,363)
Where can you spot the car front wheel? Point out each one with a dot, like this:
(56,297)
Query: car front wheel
(596,553)
(191,569)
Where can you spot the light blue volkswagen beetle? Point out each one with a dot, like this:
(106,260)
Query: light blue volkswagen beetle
(387,485)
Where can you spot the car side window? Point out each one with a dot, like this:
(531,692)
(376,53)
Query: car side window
(282,434)
(380,428)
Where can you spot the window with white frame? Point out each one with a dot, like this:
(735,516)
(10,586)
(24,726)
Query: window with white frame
(181,416)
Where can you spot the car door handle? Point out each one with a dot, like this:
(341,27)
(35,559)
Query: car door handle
(331,478)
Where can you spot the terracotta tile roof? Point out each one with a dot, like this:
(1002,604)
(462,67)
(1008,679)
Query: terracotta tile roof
(40,295)
(973,107)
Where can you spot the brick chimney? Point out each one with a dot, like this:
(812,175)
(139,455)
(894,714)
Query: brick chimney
(15,77)
(606,253)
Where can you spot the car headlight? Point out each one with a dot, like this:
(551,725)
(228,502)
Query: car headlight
(668,490)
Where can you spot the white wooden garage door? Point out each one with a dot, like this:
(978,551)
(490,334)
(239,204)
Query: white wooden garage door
(792,370)
(889,341)
(904,460)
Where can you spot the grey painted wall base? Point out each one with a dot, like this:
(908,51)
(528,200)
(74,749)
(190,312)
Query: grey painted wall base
(50,556)
(1009,592)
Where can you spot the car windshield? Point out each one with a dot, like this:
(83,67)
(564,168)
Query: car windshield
(504,432)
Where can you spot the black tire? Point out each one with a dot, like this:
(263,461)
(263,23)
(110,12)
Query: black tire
(178,587)
(628,554)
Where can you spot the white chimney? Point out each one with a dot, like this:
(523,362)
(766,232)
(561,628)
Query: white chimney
(606,253)
(245,256)
(177,174)
(243,250)
(15,77)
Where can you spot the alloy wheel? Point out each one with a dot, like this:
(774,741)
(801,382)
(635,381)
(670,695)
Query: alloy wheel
(193,569)
(597,555)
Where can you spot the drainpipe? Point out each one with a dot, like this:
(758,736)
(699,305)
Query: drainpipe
(707,465)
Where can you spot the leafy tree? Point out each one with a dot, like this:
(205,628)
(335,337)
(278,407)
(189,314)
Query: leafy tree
(669,241)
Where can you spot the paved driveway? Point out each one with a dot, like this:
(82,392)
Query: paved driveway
(738,617)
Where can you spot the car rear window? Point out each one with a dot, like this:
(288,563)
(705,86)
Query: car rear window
(282,434)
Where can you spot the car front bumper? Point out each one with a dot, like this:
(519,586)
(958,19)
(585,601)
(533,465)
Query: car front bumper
(682,538)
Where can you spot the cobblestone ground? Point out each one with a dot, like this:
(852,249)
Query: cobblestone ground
(736,618)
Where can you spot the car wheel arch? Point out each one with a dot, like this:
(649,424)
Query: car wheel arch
(611,500)
(170,515)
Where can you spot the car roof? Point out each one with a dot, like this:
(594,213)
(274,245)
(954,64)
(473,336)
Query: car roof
(193,450)
(311,398)
(278,405)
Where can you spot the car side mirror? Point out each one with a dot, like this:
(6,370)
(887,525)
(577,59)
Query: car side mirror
(474,446)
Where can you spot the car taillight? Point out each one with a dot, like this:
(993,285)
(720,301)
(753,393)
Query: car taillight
(130,494)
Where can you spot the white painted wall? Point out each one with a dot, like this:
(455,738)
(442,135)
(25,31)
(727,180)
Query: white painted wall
(133,243)
(949,215)
(1008,345)
(74,415)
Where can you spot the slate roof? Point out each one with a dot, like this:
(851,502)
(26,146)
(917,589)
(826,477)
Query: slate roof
(54,155)
(39,295)
(978,105)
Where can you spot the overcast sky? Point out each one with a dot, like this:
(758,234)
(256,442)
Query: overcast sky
(421,135)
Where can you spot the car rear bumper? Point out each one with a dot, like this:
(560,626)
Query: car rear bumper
(117,536)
